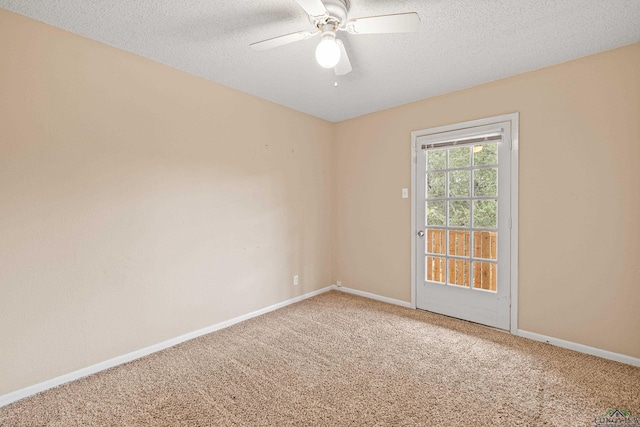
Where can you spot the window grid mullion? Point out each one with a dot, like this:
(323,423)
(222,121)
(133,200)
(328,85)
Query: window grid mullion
(491,166)
(471,224)
(446,222)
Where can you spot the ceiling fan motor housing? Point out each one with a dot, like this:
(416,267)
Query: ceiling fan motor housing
(337,14)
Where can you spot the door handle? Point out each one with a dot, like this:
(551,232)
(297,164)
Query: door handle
(421,233)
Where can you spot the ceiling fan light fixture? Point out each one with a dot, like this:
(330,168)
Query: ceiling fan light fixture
(328,51)
(330,16)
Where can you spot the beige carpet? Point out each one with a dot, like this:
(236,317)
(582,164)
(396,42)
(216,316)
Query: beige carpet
(341,360)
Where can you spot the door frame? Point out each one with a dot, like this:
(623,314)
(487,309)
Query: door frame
(513,118)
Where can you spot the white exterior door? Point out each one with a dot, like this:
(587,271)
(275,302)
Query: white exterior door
(463,223)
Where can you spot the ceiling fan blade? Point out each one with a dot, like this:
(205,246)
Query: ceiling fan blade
(344,65)
(282,40)
(313,8)
(400,23)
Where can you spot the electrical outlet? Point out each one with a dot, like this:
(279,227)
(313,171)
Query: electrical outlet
(295,280)
(339,283)
(405,193)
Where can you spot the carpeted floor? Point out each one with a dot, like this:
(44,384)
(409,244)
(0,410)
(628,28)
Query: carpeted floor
(342,360)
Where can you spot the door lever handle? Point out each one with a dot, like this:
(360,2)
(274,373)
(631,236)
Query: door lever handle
(421,233)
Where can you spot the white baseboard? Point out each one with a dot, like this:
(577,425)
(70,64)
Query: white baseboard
(72,376)
(374,296)
(605,354)
(75,375)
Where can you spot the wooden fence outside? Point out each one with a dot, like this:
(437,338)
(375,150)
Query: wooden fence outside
(485,246)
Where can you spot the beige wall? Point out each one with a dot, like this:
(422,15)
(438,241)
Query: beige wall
(579,195)
(139,203)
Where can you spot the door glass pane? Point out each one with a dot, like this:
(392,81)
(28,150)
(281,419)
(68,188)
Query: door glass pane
(459,183)
(436,159)
(459,272)
(436,241)
(460,242)
(459,213)
(485,244)
(459,157)
(435,269)
(485,275)
(460,237)
(485,154)
(435,213)
(485,213)
(436,184)
(485,182)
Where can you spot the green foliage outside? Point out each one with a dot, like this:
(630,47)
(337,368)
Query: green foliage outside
(485,183)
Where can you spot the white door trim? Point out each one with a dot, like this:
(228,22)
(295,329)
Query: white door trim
(513,118)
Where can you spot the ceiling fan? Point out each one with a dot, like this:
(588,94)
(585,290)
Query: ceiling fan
(330,16)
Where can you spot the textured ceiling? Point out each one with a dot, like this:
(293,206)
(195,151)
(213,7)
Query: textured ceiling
(461,43)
